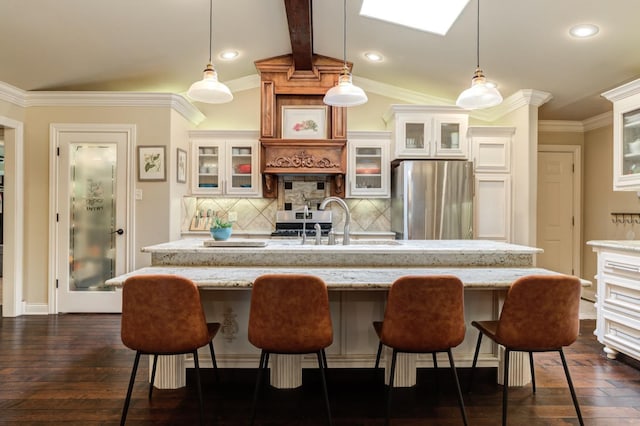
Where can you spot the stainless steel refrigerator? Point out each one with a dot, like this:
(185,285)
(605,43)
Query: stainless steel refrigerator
(432,200)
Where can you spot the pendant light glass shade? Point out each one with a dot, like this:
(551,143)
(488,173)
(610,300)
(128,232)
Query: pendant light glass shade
(209,89)
(345,94)
(480,94)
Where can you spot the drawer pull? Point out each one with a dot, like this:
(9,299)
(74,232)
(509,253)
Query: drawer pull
(622,266)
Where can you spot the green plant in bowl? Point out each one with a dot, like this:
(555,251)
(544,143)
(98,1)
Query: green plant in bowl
(220,229)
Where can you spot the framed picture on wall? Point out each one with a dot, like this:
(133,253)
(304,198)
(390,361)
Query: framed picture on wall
(152,166)
(181,168)
(304,122)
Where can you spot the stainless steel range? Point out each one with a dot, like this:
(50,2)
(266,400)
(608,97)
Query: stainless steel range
(291,223)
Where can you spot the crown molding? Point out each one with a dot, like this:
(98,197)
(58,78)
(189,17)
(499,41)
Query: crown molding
(395,92)
(12,94)
(600,120)
(560,126)
(624,91)
(523,97)
(116,99)
(596,122)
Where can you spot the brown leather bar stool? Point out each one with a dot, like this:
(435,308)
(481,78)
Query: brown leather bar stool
(289,314)
(424,314)
(162,315)
(540,314)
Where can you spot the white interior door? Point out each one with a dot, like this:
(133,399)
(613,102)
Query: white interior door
(556,212)
(92,212)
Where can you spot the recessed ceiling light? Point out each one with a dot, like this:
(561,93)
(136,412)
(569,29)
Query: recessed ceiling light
(229,54)
(584,30)
(373,56)
(434,16)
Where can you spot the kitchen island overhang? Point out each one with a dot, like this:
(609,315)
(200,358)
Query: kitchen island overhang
(357,277)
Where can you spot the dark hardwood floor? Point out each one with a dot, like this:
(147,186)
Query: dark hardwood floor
(73,370)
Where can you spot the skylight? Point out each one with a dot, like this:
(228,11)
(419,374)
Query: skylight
(434,16)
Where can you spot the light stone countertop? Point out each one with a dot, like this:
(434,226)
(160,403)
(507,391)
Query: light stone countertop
(339,278)
(626,245)
(375,253)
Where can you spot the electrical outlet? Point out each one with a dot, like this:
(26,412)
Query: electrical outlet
(138,194)
(232,216)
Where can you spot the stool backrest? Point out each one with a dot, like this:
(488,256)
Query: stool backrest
(289,313)
(424,314)
(540,312)
(162,314)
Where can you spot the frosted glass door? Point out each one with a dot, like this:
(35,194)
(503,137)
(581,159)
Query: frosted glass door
(92,235)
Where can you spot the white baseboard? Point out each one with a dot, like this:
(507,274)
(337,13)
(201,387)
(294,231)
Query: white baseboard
(35,308)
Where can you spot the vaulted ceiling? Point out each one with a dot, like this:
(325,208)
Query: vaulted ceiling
(162,46)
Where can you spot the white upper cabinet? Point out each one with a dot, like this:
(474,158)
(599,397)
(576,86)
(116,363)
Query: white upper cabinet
(626,136)
(368,165)
(428,132)
(225,163)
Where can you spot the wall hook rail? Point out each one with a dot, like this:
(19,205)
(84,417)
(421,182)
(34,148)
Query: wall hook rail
(622,218)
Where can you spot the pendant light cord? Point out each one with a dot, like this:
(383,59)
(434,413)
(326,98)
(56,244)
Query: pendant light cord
(478,36)
(210,27)
(344,33)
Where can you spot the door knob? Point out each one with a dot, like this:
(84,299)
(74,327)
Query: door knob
(118,231)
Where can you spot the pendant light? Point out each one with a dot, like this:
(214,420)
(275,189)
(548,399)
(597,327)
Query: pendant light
(481,94)
(345,94)
(209,89)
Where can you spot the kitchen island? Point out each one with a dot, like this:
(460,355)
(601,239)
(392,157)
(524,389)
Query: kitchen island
(357,276)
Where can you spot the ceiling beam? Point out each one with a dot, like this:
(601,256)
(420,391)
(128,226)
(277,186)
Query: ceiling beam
(300,32)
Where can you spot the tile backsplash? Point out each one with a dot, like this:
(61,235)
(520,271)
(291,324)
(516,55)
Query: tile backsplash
(258,215)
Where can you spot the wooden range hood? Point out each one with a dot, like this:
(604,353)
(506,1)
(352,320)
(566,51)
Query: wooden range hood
(300,79)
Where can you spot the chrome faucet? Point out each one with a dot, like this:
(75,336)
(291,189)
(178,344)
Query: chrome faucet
(346,240)
(318,233)
(305,213)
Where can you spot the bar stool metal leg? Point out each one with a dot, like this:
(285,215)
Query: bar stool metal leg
(505,386)
(533,372)
(131,381)
(264,359)
(389,391)
(322,365)
(197,368)
(570,383)
(455,377)
(153,375)
(475,361)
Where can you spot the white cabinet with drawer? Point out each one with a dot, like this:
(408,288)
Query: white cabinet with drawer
(618,297)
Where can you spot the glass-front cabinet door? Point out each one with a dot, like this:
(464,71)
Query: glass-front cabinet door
(228,166)
(428,132)
(450,136)
(631,142)
(208,168)
(626,135)
(242,171)
(413,136)
(368,165)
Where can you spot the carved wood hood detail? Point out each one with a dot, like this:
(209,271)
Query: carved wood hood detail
(286,156)
(302,160)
